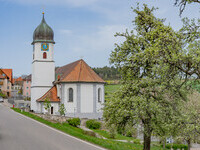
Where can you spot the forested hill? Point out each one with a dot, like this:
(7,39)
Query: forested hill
(107,73)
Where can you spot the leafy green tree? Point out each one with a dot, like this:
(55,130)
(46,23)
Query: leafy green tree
(182,4)
(62,110)
(155,66)
(188,126)
(47,104)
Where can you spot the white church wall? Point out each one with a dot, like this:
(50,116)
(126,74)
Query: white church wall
(86,97)
(43,73)
(71,107)
(99,105)
(53,104)
(36,93)
(38,55)
(55,108)
(58,86)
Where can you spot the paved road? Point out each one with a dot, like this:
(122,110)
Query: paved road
(20,133)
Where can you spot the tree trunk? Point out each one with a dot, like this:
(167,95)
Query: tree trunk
(147,137)
(164,142)
(189,143)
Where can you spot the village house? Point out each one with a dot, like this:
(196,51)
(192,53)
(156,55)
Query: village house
(17,87)
(6,81)
(27,87)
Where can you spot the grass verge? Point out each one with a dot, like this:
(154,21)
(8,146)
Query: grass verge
(117,137)
(79,133)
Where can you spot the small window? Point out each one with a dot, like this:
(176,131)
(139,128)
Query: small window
(51,110)
(27,87)
(8,87)
(44,55)
(70,95)
(99,95)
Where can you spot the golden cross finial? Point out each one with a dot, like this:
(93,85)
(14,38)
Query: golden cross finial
(43,8)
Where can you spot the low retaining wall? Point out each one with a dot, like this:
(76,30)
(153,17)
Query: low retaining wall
(59,119)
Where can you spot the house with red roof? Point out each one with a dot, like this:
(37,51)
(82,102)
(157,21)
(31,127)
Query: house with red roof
(75,85)
(6,81)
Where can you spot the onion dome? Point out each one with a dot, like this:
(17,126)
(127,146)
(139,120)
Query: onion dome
(43,33)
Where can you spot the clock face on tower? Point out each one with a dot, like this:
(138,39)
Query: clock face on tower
(44,47)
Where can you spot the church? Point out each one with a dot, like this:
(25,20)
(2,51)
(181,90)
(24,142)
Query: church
(75,85)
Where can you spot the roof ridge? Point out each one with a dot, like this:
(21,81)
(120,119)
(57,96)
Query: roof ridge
(90,70)
(72,68)
(80,70)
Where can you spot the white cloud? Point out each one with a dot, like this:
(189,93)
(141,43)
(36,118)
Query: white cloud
(100,41)
(65,31)
(93,47)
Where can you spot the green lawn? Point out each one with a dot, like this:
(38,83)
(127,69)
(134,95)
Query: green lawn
(110,89)
(79,133)
(118,136)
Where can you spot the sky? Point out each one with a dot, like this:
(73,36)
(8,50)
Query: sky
(82,28)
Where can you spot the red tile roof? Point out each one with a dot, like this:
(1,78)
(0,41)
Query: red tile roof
(27,78)
(77,71)
(18,79)
(8,73)
(51,95)
(2,77)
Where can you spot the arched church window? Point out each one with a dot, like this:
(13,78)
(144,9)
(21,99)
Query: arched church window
(44,55)
(99,94)
(70,95)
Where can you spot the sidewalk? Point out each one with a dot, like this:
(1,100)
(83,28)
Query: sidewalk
(5,103)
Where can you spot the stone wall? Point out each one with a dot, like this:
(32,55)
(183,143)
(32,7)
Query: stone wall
(52,118)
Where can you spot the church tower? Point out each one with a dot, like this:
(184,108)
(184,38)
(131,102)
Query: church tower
(43,65)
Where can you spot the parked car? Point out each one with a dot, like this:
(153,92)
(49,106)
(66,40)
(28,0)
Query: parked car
(1,99)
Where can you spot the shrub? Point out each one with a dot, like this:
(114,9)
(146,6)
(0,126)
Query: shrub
(93,124)
(75,122)
(130,131)
(176,146)
(129,134)
(90,133)
(168,146)
(112,131)
(136,141)
(62,110)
